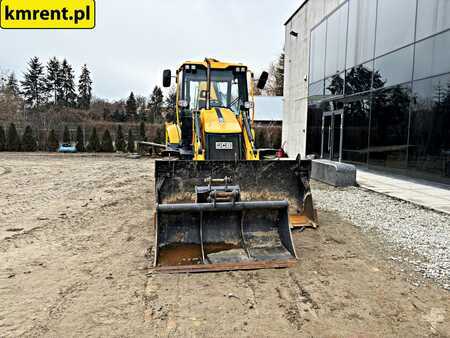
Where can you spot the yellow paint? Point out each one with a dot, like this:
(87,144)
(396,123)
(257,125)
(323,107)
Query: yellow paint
(212,125)
(173,133)
(209,119)
(214,64)
(59,14)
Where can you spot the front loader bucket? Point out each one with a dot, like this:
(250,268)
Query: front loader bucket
(242,224)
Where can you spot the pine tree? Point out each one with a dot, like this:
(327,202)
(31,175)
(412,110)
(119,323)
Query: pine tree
(155,104)
(34,84)
(80,140)
(84,89)
(94,144)
(68,85)
(13,140)
(120,139)
(66,135)
(171,104)
(131,106)
(12,86)
(52,142)
(277,77)
(107,145)
(28,140)
(54,81)
(130,146)
(2,139)
(142,133)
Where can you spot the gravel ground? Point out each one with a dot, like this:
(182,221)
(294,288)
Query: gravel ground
(410,228)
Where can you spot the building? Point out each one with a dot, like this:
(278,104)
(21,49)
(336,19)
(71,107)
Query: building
(268,110)
(374,75)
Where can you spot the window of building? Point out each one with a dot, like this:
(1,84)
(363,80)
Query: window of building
(317,57)
(336,41)
(334,85)
(359,79)
(389,127)
(361,31)
(433,17)
(395,26)
(394,68)
(429,150)
(316,89)
(356,130)
(432,56)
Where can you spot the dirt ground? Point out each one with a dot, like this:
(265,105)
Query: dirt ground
(75,244)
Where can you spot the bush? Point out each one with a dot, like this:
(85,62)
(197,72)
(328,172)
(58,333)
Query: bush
(13,140)
(268,137)
(2,139)
(120,140)
(66,135)
(130,146)
(142,133)
(80,140)
(52,143)
(160,134)
(107,145)
(28,140)
(94,144)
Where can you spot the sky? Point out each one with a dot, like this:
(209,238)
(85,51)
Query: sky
(135,40)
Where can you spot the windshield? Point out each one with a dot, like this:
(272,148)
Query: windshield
(228,89)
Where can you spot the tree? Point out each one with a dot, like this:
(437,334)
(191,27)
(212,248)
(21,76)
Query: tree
(94,144)
(276,83)
(54,80)
(84,89)
(107,145)
(66,135)
(131,106)
(130,146)
(155,104)
(142,133)
(141,104)
(13,139)
(171,104)
(80,140)
(12,86)
(28,140)
(68,85)
(53,142)
(120,139)
(2,139)
(34,84)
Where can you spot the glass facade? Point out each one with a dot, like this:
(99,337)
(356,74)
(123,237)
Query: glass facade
(386,64)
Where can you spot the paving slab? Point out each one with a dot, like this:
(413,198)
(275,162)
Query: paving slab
(430,195)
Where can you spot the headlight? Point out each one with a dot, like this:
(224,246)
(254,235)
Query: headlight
(183,103)
(248,105)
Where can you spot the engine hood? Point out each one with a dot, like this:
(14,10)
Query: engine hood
(220,121)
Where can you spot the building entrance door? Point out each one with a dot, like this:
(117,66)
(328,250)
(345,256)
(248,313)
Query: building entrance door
(332,126)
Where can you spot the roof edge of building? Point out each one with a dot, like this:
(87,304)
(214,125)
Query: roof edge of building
(295,13)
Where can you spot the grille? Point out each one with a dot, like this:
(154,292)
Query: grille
(225,147)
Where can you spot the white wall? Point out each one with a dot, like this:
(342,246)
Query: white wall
(296,68)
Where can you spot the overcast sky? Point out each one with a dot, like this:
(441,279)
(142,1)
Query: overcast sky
(135,40)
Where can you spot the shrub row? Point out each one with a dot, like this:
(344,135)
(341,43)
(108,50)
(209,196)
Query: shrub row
(10,140)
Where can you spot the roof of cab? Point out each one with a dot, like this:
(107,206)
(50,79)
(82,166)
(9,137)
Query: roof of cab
(216,64)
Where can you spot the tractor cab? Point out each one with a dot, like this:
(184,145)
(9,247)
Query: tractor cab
(215,101)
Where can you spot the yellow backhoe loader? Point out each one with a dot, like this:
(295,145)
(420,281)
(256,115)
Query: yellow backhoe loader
(218,205)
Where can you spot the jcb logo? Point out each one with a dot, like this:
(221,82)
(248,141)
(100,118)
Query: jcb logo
(63,14)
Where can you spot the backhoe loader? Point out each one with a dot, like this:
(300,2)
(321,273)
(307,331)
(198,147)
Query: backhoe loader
(218,205)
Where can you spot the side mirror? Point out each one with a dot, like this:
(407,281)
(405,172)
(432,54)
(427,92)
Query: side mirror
(262,80)
(167,78)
